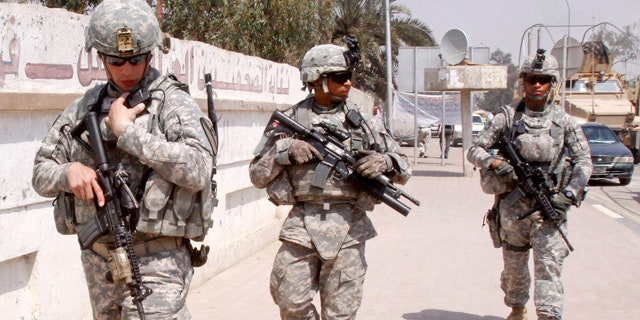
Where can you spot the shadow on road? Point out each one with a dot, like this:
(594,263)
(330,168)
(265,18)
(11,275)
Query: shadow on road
(434,314)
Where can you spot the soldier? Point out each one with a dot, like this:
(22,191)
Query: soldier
(163,148)
(540,131)
(323,237)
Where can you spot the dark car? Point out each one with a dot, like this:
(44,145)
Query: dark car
(610,158)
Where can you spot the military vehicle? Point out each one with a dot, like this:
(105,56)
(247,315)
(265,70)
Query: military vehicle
(596,93)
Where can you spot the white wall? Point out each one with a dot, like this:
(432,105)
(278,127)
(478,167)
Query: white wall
(43,68)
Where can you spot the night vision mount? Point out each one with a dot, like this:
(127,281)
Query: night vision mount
(539,61)
(352,57)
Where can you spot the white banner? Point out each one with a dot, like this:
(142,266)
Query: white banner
(429,110)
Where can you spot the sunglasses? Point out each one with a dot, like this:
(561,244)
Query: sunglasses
(340,77)
(537,79)
(118,61)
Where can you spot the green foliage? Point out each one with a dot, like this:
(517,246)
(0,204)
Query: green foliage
(492,100)
(280,31)
(284,30)
(365,19)
(77,6)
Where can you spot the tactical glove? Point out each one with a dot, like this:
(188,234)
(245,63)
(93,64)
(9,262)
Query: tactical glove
(505,172)
(560,204)
(371,166)
(302,152)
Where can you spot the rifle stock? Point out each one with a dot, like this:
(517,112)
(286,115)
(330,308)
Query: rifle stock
(336,157)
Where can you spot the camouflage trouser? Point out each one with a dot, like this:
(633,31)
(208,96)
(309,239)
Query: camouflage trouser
(299,273)
(549,251)
(167,273)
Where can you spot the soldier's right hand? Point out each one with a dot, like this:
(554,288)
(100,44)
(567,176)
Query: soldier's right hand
(302,152)
(83,182)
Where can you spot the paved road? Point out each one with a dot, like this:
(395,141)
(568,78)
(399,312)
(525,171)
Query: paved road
(438,263)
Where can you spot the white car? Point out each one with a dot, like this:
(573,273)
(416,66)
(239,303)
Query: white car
(477,125)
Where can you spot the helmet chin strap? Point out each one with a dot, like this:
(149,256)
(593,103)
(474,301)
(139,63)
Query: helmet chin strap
(325,88)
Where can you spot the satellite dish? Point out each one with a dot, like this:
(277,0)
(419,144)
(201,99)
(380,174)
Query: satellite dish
(574,55)
(454,46)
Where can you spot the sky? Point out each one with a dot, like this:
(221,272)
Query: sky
(502,24)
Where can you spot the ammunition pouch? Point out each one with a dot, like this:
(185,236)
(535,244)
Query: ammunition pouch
(169,210)
(280,190)
(64,213)
(492,184)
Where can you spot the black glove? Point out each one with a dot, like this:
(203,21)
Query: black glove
(371,166)
(561,205)
(302,152)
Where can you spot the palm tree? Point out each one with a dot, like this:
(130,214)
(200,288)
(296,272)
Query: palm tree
(365,19)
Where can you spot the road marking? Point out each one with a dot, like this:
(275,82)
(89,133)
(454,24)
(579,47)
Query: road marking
(607,211)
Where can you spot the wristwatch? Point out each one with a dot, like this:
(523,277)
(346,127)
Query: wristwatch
(570,195)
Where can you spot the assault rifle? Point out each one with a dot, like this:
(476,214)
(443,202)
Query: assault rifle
(110,218)
(336,157)
(533,182)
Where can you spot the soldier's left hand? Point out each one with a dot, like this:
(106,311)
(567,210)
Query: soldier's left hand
(561,205)
(371,166)
(120,116)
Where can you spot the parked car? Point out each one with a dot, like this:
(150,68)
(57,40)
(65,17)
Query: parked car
(611,159)
(477,125)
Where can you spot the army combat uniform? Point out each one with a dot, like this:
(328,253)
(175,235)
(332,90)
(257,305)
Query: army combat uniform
(323,237)
(541,137)
(176,150)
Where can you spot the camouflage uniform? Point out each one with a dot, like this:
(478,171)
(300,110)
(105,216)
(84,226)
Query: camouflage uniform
(323,238)
(545,134)
(324,235)
(175,149)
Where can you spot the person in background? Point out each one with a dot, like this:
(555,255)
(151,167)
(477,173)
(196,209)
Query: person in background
(445,141)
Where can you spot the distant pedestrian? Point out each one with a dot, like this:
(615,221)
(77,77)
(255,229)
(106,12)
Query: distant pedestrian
(424,139)
(446,142)
(540,131)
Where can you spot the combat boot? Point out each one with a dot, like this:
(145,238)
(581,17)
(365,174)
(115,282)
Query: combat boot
(517,313)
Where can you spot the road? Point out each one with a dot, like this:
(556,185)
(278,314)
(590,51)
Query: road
(438,262)
(620,202)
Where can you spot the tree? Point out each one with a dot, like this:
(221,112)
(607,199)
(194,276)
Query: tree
(77,6)
(284,30)
(623,44)
(365,19)
(280,31)
(492,100)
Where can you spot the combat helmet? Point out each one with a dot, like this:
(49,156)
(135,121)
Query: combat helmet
(539,64)
(329,58)
(322,59)
(124,28)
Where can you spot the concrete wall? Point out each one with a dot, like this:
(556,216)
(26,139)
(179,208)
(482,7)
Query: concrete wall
(43,68)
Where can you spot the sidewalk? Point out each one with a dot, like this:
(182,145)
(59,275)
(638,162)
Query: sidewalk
(438,263)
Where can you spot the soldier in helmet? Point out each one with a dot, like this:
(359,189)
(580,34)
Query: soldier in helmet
(161,144)
(323,238)
(540,131)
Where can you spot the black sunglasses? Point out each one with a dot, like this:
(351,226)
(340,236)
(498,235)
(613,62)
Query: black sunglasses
(537,79)
(118,61)
(340,77)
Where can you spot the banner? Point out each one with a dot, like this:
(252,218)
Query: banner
(429,110)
